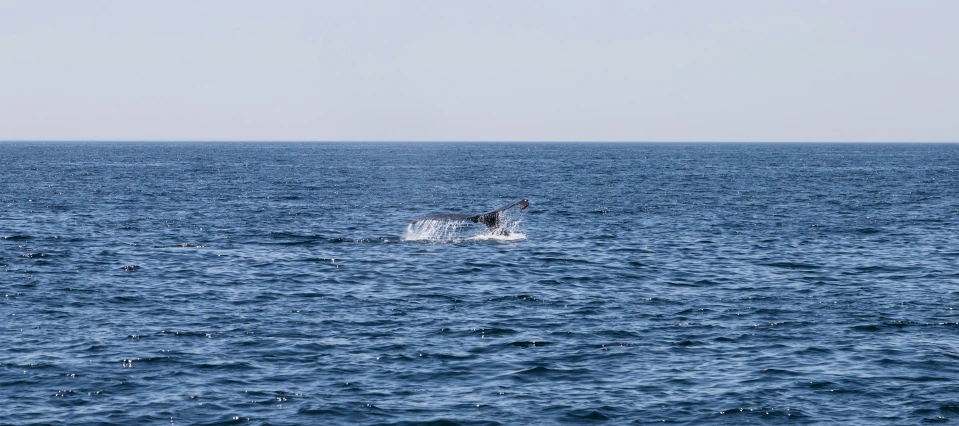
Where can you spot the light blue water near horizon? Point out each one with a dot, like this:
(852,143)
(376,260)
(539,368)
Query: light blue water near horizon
(676,283)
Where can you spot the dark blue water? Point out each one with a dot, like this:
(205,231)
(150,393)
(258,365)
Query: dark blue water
(679,283)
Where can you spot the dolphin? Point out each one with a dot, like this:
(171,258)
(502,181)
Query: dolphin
(491,219)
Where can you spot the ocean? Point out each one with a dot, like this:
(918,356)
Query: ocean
(282,283)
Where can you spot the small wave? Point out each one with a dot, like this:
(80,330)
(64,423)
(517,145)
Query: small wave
(527,344)
(793,265)
(183,245)
(588,415)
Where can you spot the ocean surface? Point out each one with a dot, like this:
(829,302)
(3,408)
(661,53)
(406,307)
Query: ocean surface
(281,283)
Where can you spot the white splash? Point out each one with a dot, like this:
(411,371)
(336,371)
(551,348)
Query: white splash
(434,230)
(445,231)
(489,236)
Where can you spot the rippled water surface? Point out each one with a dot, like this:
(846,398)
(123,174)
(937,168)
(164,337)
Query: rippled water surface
(256,283)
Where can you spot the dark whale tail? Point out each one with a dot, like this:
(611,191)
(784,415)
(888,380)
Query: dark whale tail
(493,220)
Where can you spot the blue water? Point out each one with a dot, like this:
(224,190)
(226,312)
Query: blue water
(249,283)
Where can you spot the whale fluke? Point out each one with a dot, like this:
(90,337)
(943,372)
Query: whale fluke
(492,219)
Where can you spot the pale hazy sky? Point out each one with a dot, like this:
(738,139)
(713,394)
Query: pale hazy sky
(556,70)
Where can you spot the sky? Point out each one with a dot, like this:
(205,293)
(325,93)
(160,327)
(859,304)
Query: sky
(497,70)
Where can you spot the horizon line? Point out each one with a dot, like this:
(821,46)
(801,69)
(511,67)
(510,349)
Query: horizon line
(448,141)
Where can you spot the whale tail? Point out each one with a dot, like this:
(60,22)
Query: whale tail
(493,219)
